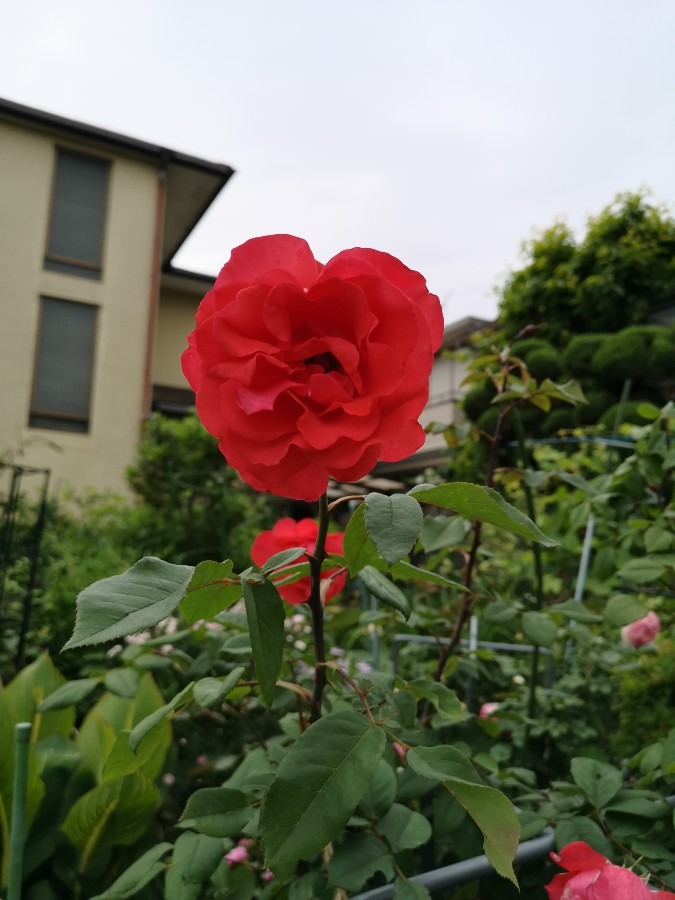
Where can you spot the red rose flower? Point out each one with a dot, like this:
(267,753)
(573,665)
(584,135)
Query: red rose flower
(590,876)
(286,534)
(305,371)
(642,632)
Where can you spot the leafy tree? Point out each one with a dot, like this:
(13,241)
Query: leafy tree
(616,275)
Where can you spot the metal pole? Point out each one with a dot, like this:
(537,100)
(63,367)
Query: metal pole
(22,731)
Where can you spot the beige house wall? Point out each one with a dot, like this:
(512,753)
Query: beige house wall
(122,297)
(176,319)
(445,395)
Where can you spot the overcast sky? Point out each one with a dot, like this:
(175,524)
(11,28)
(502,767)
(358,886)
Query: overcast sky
(443,132)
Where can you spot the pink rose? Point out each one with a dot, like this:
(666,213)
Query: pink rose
(591,876)
(288,533)
(488,710)
(304,371)
(642,632)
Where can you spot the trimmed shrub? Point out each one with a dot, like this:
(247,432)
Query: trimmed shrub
(630,414)
(559,420)
(527,345)
(577,357)
(628,354)
(598,403)
(544,363)
(478,400)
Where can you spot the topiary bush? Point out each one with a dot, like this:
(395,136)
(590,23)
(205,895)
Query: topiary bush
(544,362)
(478,400)
(628,354)
(629,414)
(559,420)
(577,357)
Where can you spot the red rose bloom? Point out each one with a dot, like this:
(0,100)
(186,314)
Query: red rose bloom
(286,534)
(590,876)
(305,371)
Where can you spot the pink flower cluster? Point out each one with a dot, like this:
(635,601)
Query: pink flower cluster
(591,876)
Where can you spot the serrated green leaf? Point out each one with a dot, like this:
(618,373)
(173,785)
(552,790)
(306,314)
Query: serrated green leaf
(381,587)
(69,694)
(212,691)
(318,785)
(138,874)
(125,604)
(357,859)
(146,725)
(475,502)
(598,780)
(492,812)
(539,628)
(622,609)
(405,571)
(218,812)
(445,701)
(265,615)
(283,558)
(358,548)
(580,828)
(393,524)
(208,593)
(403,828)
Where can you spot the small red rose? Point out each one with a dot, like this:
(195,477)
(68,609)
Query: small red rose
(305,371)
(286,534)
(642,632)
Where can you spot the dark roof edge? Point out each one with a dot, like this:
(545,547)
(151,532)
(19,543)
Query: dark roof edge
(80,129)
(168,269)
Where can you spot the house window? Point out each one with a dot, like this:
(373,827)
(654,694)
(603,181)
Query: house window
(63,366)
(75,242)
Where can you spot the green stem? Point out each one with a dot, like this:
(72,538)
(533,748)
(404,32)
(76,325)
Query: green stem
(23,732)
(316,607)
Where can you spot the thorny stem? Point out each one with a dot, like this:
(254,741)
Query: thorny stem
(316,606)
(357,690)
(446,650)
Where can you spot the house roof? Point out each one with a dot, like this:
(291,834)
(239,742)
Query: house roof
(192,183)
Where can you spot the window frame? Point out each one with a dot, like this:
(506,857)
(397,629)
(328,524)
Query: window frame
(57,417)
(55,262)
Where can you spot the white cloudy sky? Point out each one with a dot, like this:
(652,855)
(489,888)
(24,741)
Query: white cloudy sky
(441,131)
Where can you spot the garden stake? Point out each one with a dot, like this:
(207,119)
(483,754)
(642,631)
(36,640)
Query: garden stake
(23,730)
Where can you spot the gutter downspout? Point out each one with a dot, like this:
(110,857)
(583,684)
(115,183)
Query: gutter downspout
(153,303)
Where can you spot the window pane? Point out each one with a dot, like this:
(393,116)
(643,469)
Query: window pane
(78,208)
(63,367)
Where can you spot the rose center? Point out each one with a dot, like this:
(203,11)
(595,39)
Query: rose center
(325,361)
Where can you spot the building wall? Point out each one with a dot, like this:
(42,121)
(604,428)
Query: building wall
(445,395)
(176,319)
(122,297)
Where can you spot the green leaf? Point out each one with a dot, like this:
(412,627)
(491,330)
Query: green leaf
(125,604)
(474,502)
(577,612)
(658,540)
(580,828)
(69,694)
(265,614)
(403,828)
(408,890)
(116,812)
(492,812)
(539,628)
(382,792)
(357,859)
(206,594)
(445,701)
(570,392)
(359,550)
(140,873)
(641,571)
(405,571)
(283,558)
(212,691)
(123,682)
(598,780)
(195,859)
(318,785)
(381,587)
(648,411)
(218,812)
(439,532)
(146,725)
(393,524)
(622,609)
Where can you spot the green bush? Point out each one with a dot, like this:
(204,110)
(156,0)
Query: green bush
(527,345)
(629,354)
(544,363)
(629,414)
(559,420)
(598,401)
(478,400)
(646,700)
(577,357)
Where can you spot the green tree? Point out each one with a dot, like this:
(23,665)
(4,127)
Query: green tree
(616,275)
